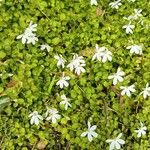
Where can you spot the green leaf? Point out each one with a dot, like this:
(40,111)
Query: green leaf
(2,55)
(4,101)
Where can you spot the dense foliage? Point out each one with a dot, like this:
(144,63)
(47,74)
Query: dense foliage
(29,75)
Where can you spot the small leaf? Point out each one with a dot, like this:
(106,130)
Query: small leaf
(4,101)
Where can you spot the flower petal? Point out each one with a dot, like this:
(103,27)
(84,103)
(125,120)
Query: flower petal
(84,134)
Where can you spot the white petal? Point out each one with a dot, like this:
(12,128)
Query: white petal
(19,36)
(66,84)
(53,120)
(112,146)
(36,121)
(111,77)
(84,134)
(104,59)
(128,93)
(123,92)
(94,134)
(120,78)
(93,127)
(121,141)
(90,138)
(40,117)
(139,134)
(119,136)
(32,120)
(109,140)
(117,145)
(115,81)
(89,125)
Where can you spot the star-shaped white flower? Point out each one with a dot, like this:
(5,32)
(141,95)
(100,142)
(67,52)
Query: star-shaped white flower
(127,90)
(135,16)
(115,143)
(77,64)
(146,91)
(90,133)
(141,131)
(93,2)
(115,4)
(45,46)
(63,81)
(117,76)
(28,36)
(135,49)
(52,114)
(137,13)
(128,28)
(102,54)
(65,101)
(60,60)
(35,118)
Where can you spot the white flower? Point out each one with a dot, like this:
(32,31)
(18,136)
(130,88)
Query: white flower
(135,49)
(63,81)
(35,118)
(128,18)
(127,90)
(135,16)
(137,13)
(60,60)
(52,114)
(146,91)
(45,46)
(102,54)
(65,101)
(28,36)
(117,76)
(141,131)
(93,2)
(115,143)
(77,64)
(115,4)
(90,132)
(128,28)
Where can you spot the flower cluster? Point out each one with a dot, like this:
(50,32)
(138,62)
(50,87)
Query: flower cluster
(115,4)
(51,115)
(129,27)
(102,54)
(45,46)
(78,64)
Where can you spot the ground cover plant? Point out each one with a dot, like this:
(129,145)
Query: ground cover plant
(74,74)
